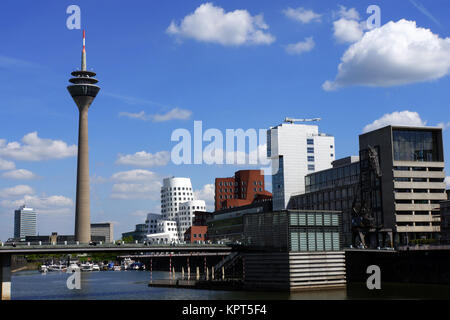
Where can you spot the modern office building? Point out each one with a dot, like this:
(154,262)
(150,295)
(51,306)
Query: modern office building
(186,215)
(227,225)
(296,150)
(166,232)
(445,222)
(406,195)
(139,234)
(201,218)
(239,190)
(104,229)
(178,203)
(195,234)
(293,250)
(391,194)
(25,221)
(152,222)
(332,189)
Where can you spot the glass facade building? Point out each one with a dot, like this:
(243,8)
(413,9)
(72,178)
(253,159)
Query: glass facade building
(294,231)
(333,189)
(25,221)
(417,145)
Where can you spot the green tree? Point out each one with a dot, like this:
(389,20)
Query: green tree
(128,239)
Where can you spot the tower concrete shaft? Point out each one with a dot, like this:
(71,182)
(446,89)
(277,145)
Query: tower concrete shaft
(83,91)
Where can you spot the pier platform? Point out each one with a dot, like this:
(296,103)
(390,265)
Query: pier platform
(199,284)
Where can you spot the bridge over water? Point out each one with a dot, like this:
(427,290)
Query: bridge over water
(6,252)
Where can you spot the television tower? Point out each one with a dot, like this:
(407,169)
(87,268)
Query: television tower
(83,91)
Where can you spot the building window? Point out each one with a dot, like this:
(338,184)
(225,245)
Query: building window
(310,150)
(310,141)
(311,158)
(311,167)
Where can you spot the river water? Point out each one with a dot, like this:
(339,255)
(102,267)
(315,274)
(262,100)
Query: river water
(132,285)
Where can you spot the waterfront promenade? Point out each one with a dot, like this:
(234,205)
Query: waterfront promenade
(22,249)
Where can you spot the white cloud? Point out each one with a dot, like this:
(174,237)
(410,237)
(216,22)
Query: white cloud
(302,15)
(444,125)
(6,165)
(395,54)
(144,159)
(447,181)
(140,115)
(36,149)
(134,175)
(348,30)
(399,118)
(136,184)
(174,114)
(300,47)
(16,191)
(207,194)
(19,174)
(209,23)
(43,205)
(128,191)
(349,14)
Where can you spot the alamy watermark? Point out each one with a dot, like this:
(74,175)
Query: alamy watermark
(232,147)
(374,281)
(74,281)
(374,21)
(74,20)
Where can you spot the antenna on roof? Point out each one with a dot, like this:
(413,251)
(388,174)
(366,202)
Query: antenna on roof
(292,120)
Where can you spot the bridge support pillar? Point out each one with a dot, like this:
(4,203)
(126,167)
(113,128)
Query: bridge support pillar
(5,276)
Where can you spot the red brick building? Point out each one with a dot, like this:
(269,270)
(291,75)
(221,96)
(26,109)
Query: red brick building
(240,190)
(195,234)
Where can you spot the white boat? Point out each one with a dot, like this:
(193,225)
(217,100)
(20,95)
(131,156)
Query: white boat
(95,267)
(73,268)
(57,267)
(126,263)
(86,266)
(44,269)
(117,268)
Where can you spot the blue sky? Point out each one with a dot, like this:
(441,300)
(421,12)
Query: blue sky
(163,64)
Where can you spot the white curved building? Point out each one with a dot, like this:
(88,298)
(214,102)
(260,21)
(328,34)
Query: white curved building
(173,192)
(186,214)
(166,232)
(178,203)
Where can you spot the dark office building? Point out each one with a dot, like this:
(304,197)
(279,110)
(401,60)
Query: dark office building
(332,189)
(139,234)
(228,225)
(412,182)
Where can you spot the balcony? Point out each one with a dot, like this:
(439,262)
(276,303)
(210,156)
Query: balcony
(419,174)
(419,229)
(419,185)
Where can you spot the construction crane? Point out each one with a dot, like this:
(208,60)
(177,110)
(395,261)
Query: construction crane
(292,120)
(363,220)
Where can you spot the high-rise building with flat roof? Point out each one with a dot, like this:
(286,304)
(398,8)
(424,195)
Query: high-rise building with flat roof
(332,189)
(24,222)
(239,190)
(406,198)
(296,150)
(104,229)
